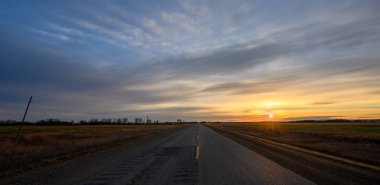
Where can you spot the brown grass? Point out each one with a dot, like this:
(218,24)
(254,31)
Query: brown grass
(358,141)
(49,144)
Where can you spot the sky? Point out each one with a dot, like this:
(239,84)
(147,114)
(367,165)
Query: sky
(214,60)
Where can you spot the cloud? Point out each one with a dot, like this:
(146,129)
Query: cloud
(92,83)
(58,81)
(322,103)
(311,118)
(238,58)
(189,53)
(53,35)
(174,110)
(260,86)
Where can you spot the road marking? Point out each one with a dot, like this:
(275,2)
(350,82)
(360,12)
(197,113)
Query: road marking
(319,154)
(197,147)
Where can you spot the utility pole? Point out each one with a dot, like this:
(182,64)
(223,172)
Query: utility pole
(23,118)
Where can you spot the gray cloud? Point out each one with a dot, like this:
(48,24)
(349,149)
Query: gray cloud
(322,103)
(312,118)
(261,86)
(322,51)
(313,39)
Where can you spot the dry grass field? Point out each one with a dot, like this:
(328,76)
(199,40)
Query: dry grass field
(358,141)
(40,145)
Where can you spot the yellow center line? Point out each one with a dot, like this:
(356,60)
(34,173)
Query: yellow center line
(197,147)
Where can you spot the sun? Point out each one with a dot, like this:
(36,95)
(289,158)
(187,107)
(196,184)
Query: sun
(270,115)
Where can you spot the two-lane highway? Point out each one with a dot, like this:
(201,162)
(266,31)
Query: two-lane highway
(193,155)
(172,161)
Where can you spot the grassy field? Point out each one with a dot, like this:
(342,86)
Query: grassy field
(358,141)
(40,145)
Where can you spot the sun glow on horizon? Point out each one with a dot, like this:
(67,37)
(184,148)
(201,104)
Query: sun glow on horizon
(270,115)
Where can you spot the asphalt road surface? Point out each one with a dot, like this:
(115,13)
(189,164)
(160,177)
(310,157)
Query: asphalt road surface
(192,155)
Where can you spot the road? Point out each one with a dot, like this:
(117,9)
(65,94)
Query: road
(193,155)
(223,161)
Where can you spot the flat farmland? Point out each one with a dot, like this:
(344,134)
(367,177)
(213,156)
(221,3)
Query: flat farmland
(43,145)
(354,140)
